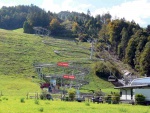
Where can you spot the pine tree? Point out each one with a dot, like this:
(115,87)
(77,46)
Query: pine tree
(145,60)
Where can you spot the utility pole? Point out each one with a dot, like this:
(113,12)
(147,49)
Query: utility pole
(91,50)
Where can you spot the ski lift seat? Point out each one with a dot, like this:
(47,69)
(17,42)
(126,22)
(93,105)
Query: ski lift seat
(112,79)
(55,51)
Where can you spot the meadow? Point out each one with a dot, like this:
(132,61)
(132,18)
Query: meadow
(15,105)
(19,51)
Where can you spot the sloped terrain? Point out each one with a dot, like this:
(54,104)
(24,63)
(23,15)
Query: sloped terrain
(20,51)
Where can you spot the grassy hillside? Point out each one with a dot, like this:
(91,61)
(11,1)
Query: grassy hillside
(19,51)
(17,86)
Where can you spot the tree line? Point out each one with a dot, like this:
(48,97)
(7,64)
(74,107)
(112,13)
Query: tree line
(64,23)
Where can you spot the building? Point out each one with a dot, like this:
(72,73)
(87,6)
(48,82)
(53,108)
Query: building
(137,86)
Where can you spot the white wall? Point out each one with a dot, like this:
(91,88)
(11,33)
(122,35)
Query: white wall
(126,94)
(145,92)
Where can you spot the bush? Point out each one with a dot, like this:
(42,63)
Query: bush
(22,100)
(72,94)
(108,99)
(66,98)
(99,93)
(43,95)
(41,109)
(103,69)
(28,28)
(115,98)
(36,102)
(139,99)
(4,98)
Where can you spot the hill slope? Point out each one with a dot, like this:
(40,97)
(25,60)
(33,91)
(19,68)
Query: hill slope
(19,51)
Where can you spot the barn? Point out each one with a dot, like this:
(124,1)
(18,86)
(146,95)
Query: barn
(137,86)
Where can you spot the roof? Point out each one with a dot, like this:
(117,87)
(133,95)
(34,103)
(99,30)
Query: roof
(133,86)
(140,81)
(137,83)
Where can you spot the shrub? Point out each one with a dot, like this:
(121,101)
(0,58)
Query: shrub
(99,93)
(66,98)
(103,69)
(108,99)
(115,98)
(36,102)
(4,98)
(22,100)
(72,94)
(43,95)
(139,99)
(27,28)
(87,104)
(41,109)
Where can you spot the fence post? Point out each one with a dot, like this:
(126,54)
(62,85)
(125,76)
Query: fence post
(37,96)
(27,95)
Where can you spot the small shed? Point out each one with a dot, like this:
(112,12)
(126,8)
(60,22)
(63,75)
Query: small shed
(137,86)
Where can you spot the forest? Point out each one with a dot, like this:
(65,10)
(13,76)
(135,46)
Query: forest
(126,39)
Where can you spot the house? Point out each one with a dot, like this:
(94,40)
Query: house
(137,86)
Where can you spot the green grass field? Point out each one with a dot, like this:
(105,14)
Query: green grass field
(17,86)
(14,105)
(18,52)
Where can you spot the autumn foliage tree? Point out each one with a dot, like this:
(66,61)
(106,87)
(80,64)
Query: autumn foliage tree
(75,27)
(55,26)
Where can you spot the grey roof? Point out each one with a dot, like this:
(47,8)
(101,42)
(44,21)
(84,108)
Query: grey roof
(133,86)
(137,83)
(141,81)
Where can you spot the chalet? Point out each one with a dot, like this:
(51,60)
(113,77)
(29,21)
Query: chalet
(137,86)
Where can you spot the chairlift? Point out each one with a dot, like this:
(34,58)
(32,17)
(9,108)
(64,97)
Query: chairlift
(56,52)
(112,79)
(89,40)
